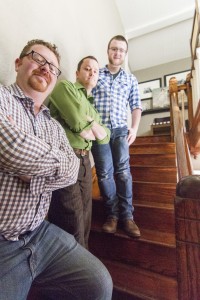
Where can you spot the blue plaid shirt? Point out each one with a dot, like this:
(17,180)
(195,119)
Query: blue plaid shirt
(113,96)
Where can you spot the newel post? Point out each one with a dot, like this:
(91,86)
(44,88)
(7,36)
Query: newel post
(187,214)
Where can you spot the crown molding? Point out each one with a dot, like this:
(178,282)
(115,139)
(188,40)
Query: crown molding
(160,24)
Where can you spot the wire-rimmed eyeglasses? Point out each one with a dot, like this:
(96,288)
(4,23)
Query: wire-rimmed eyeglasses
(115,49)
(38,58)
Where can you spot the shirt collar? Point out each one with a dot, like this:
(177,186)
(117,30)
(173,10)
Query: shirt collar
(106,70)
(15,91)
(79,86)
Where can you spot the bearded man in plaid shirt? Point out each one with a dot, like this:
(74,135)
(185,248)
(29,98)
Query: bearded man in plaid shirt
(36,159)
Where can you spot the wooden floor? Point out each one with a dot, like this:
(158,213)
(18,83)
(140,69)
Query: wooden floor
(143,268)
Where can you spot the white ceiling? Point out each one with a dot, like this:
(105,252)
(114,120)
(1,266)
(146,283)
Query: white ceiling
(158,31)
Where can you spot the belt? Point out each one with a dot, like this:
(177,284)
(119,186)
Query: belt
(81,152)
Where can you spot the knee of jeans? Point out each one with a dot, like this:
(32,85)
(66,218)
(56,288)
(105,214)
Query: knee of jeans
(105,176)
(124,176)
(104,286)
(107,288)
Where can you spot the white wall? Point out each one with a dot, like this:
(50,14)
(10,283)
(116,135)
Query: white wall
(78,28)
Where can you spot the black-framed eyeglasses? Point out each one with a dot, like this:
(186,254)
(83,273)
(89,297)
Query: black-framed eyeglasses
(38,58)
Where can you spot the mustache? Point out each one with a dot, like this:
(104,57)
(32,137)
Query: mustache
(42,74)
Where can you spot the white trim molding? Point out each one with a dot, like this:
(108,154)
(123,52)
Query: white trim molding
(159,24)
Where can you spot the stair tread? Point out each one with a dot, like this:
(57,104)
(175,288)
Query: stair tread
(142,203)
(150,236)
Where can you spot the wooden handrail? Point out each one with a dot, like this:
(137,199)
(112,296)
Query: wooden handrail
(178,134)
(187,213)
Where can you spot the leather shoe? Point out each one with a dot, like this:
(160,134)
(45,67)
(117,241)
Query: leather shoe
(110,226)
(131,228)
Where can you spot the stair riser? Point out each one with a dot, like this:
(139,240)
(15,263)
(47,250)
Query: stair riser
(153,149)
(152,139)
(157,192)
(155,219)
(152,287)
(151,257)
(153,160)
(152,174)
(150,218)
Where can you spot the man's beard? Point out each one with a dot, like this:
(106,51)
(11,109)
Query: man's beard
(39,85)
(115,63)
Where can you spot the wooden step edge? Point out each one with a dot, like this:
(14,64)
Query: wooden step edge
(163,184)
(164,167)
(153,143)
(164,138)
(155,167)
(155,151)
(154,205)
(144,236)
(120,293)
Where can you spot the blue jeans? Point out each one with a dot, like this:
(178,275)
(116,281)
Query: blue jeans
(114,176)
(52,260)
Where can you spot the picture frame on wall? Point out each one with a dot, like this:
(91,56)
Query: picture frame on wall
(180,76)
(147,104)
(161,98)
(146,87)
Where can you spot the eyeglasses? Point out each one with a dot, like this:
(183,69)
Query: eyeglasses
(115,49)
(42,61)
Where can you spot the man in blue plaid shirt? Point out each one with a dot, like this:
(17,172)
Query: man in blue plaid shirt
(117,90)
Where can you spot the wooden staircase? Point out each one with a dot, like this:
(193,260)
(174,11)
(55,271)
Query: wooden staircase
(143,268)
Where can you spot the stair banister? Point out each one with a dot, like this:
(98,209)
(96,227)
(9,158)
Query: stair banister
(178,134)
(187,220)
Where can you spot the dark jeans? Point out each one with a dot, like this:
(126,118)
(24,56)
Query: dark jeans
(71,207)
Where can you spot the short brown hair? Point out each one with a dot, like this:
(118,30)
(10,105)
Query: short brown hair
(50,46)
(118,38)
(82,60)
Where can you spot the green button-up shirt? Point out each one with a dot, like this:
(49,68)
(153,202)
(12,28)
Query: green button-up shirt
(70,105)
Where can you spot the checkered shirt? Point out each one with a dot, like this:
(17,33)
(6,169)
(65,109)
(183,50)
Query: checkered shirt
(113,97)
(34,146)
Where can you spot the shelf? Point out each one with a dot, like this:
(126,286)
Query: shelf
(155,110)
(159,110)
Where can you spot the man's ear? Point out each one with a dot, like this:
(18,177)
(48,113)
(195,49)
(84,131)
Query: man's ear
(18,62)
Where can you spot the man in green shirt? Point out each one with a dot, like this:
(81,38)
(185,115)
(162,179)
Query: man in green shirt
(71,104)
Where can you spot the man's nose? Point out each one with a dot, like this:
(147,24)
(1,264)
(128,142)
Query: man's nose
(46,67)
